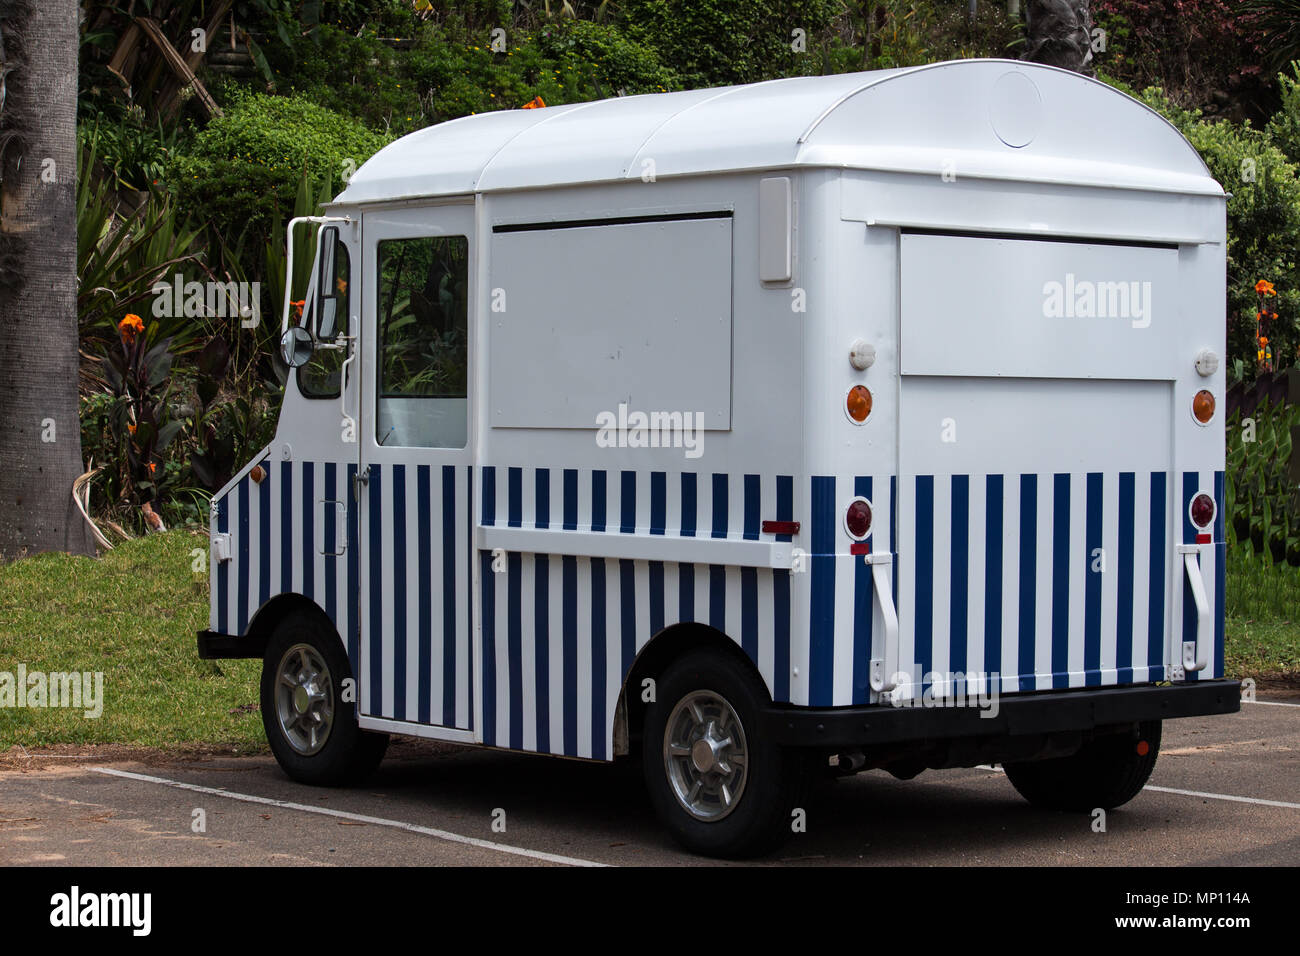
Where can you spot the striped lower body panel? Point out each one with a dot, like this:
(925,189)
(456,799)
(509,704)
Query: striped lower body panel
(1048,581)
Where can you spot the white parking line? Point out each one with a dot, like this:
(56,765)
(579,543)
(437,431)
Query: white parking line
(1225,796)
(357,817)
(1190,793)
(1271,703)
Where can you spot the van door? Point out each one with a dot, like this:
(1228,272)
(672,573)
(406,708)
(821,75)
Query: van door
(1038,424)
(414,482)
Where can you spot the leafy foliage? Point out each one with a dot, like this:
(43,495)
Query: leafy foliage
(1263,505)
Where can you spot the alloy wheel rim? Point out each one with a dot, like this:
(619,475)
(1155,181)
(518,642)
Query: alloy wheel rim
(304,699)
(706,756)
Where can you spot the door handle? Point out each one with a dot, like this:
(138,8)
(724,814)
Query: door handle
(359,478)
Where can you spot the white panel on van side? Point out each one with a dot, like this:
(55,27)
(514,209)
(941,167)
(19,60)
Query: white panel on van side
(1044,309)
(774,233)
(635,314)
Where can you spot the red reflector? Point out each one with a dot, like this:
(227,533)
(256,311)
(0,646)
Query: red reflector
(780,527)
(860,547)
(1204,538)
(1143,748)
(1202,510)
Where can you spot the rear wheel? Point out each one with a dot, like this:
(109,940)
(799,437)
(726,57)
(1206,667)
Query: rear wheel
(311,728)
(1107,772)
(718,786)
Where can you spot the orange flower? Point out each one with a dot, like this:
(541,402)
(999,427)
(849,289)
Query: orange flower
(1263,340)
(342,286)
(152,468)
(297,307)
(1264,287)
(130,428)
(130,327)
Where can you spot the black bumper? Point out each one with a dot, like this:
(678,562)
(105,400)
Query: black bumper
(214,646)
(1045,712)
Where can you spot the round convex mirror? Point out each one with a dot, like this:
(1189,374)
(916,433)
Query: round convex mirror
(296,346)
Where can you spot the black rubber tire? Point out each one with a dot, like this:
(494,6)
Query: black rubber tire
(773,787)
(350,754)
(1107,772)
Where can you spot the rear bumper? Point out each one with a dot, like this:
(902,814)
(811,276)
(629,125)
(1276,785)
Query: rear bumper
(1046,712)
(214,646)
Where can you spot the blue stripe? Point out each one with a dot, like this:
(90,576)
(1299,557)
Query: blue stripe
(489,503)
(309,529)
(1220,574)
(515,498)
(958,563)
(354,574)
(688,506)
(374,494)
(243,541)
(924,577)
(264,538)
(658,502)
(718,597)
(821,625)
(489,602)
(449,631)
(542,507)
(1061,580)
(749,612)
(286,527)
(627,503)
(784,503)
(863,609)
(1156,580)
(542,641)
(753,505)
(223,570)
(719,506)
(1191,484)
(515,646)
(330,541)
(994,506)
(657,597)
(570,499)
(569,640)
(597,501)
(1125,567)
(686,592)
(1092,587)
(398,577)
(424,519)
(627,613)
(1028,578)
(781,635)
(598,649)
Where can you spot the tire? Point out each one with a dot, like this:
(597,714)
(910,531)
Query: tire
(321,745)
(764,789)
(1107,772)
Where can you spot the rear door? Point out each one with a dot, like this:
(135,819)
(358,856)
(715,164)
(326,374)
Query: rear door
(1037,421)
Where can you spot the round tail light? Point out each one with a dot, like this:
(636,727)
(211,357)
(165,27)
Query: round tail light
(857,520)
(858,404)
(1202,510)
(1203,406)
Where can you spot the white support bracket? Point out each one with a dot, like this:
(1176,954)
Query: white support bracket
(884,670)
(1196,656)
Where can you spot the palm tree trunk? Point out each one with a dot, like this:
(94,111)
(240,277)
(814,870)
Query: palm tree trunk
(1060,34)
(40,435)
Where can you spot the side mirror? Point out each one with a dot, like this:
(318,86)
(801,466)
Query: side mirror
(296,346)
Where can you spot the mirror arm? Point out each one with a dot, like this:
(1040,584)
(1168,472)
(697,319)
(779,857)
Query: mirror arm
(288,261)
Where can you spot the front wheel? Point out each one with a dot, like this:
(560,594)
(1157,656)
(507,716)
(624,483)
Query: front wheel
(311,727)
(1107,772)
(719,787)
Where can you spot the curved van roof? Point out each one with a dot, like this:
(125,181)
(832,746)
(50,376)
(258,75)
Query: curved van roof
(991,119)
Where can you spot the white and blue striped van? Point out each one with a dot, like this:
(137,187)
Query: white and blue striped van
(824,424)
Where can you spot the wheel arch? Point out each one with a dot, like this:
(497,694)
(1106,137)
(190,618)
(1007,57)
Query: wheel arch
(278,610)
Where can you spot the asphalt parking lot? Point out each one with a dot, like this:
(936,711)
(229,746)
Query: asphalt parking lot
(1225,792)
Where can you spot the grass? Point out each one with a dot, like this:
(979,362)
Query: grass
(133,614)
(1263,618)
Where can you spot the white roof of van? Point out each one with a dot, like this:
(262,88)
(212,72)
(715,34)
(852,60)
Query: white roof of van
(993,119)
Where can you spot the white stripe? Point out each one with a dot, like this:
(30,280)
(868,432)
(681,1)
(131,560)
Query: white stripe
(357,817)
(584,655)
(1141,573)
(1045,572)
(1271,703)
(437,631)
(1077,575)
(467,586)
(1225,796)
(555,650)
(1008,667)
(380,590)
(528,642)
(975,583)
(941,597)
(1110,577)
(414,588)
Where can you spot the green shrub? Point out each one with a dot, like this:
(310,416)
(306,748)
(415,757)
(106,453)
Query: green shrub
(1261,507)
(721,42)
(247,163)
(1263,225)
(1284,127)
